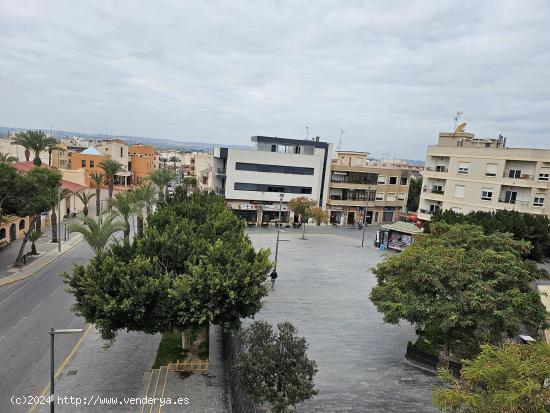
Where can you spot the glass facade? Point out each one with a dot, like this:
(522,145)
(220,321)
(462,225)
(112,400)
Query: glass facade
(279,169)
(287,189)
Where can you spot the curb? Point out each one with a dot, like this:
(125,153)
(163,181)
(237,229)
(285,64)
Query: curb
(19,277)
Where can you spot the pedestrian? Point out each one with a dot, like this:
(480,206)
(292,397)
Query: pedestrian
(273,278)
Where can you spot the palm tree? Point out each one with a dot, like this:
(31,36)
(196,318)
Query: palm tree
(110,168)
(53,216)
(97,179)
(143,198)
(85,197)
(124,207)
(7,158)
(34,236)
(160,178)
(98,233)
(174,159)
(35,141)
(163,160)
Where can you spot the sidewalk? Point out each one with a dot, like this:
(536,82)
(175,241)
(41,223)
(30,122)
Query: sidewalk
(47,252)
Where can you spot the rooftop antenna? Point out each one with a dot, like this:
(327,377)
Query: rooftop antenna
(340,141)
(457,118)
(307,132)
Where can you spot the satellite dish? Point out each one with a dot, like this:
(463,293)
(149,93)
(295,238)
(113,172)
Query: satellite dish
(460,128)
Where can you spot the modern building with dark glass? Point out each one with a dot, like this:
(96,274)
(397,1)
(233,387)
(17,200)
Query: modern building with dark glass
(253,180)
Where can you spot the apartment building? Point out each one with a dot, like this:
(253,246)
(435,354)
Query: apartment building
(143,159)
(358,185)
(465,174)
(253,180)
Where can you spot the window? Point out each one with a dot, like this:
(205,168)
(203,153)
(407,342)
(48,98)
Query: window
(491,169)
(121,152)
(544,175)
(379,196)
(280,169)
(273,148)
(440,168)
(437,189)
(514,173)
(2,233)
(539,200)
(22,224)
(297,150)
(242,186)
(393,180)
(401,196)
(91,163)
(459,191)
(404,180)
(390,196)
(463,168)
(487,194)
(434,207)
(381,180)
(84,163)
(387,216)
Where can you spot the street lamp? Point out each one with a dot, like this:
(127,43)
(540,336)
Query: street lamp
(365,219)
(52,358)
(281,196)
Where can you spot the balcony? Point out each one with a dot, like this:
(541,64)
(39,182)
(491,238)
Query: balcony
(221,171)
(516,202)
(439,191)
(438,168)
(425,211)
(512,175)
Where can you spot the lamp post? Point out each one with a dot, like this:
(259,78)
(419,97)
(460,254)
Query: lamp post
(58,197)
(52,358)
(365,219)
(281,196)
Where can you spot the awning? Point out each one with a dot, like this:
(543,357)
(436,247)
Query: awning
(403,227)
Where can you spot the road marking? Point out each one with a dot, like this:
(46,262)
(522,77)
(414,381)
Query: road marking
(15,325)
(2,337)
(54,291)
(62,365)
(41,302)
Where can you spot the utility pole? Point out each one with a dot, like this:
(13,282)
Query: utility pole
(278,230)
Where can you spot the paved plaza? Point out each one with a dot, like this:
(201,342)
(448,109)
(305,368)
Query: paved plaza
(323,288)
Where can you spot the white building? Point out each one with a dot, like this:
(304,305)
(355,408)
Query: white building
(253,179)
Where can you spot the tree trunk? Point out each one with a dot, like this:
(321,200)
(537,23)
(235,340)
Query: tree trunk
(33,249)
(447,344)
(39,222)
(50,157)
(37,161)
(53,219)
(18,260)
(127,231)
(97,201)
(85,210)
(303,230)
(111,185)
(139,226)
(27,154)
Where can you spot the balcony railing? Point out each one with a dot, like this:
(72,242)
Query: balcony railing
(521,176)
(221,171)
(352,181)
(437,168)
(514,202)
(434,191)
(426,211)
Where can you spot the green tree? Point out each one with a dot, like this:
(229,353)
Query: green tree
(302,207)
(85,197)
(124,207)
(143,198)
(458,283)
(509,378)
(415,187)
(7,158)
(161,178)
(10,191)
(36,142)
(35,190)
(319,215)
(97,179)
(54,202)
(275,368)
(190,181)
(163,159)
(193,266)
(98,233)
(110,169)
(174,159)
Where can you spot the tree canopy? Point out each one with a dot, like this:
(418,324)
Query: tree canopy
(275,368)
(194,265)
(528,227)
(509,378)
(460,283)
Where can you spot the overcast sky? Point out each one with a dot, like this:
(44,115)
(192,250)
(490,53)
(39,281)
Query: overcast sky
(391,74)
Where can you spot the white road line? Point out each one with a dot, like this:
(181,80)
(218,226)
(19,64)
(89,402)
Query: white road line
(54,291)
(41,302)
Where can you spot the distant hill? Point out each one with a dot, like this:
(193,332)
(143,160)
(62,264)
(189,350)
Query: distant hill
(156,142)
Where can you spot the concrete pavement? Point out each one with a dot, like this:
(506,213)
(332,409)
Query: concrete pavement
(323,288)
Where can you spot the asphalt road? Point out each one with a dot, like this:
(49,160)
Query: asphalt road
(28,309)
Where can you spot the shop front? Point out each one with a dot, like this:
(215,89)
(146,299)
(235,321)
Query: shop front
(396,236)
(259,214)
